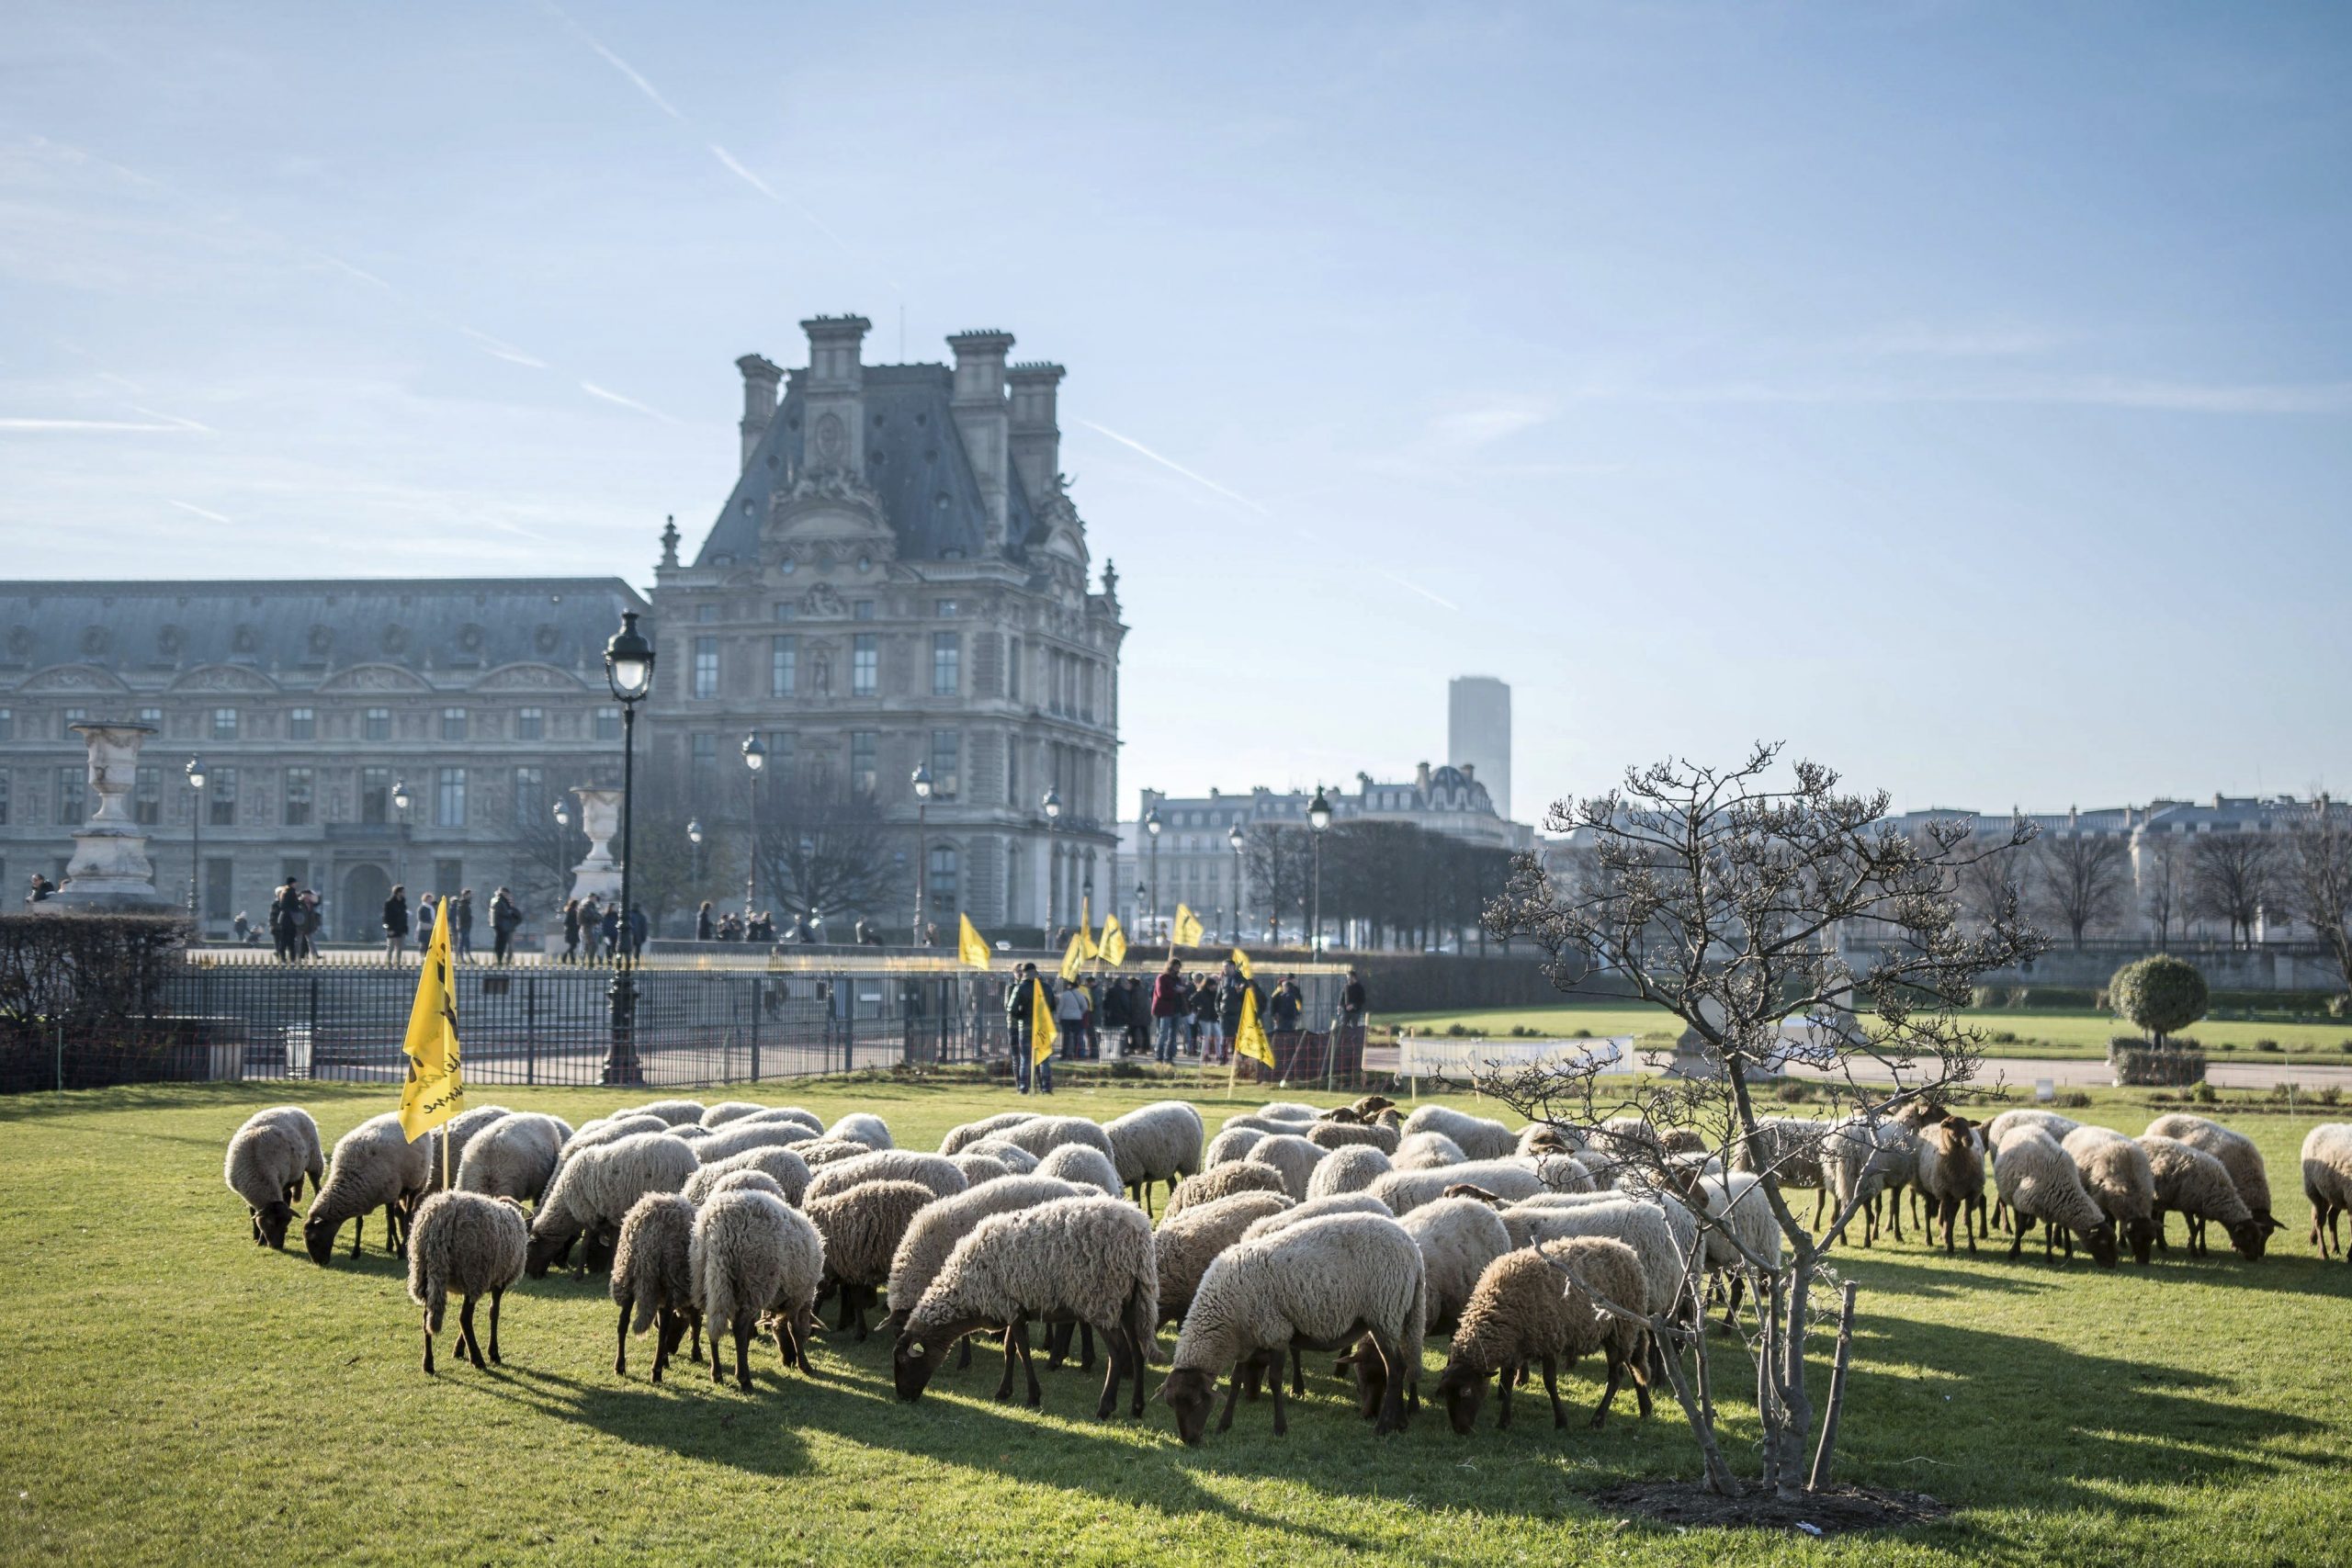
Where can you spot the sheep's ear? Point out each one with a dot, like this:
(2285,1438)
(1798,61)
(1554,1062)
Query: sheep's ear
(2273,1224)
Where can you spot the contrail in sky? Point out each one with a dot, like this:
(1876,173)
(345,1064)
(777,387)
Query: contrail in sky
(614,61)
(201,511)
(610,396)
(115,425)
(1169,463)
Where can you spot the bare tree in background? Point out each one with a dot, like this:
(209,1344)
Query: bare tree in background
(2230,879)
(2320,874)
(1278,861)
(1719,895)
(2081,879)
(1987,881)
(831,854)
(2163,884)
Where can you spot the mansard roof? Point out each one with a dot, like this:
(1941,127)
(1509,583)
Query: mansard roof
(310,627)
(915,462)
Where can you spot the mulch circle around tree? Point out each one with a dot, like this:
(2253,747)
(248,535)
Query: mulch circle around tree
(1835,1511)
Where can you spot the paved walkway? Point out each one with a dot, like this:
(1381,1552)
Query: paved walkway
(2022,1072)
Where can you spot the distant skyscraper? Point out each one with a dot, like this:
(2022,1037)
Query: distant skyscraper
(1479,733)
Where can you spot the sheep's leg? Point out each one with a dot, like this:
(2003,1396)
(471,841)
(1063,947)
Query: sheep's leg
(1640,1386)
(359,1231)
(1298,1373)
(1232,1392)
(2016,1241)
(1011,1360)
(1115,1358)
(1029,1369)
(846,1313)
(802,1320)
(2163,1244)
(471,1342)
(1609,1392)
(668,1329)
(1502,1398)
(2067,1237)
(1085,1332)
(428,1341)
(1731,1313)
(963,1352)
(744,1323)
(1274,1381)
(1552,1387)
(864,1301)
(620,1342)
(496,1298)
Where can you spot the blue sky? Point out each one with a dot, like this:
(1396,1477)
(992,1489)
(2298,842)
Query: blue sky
(1959,392)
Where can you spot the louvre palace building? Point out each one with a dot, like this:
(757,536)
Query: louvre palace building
(897,580)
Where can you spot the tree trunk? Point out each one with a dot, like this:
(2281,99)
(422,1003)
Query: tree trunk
(1720,1479)
(1822,1455)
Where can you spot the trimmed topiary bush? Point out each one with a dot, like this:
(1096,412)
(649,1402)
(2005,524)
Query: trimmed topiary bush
(2163,995)
(2137,1064)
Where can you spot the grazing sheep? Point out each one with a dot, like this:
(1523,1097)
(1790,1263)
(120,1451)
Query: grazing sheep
(598,1186)
(514,1156)
(1083,1260)
(1405,1191)
(1185,1243)
(607,1129)
(1232,1144)
(752,1255)
(863,1226)
(691,1132)
(1458,1238)
(1290,1110)
(1085,1166)
(1251,1122)
(2198,1185)
(1319,1285)
(2234,1150)
(1789,1147)
(1160,1141)
(1545,1306)
(314,1163)
(457,1132)
(1381,1135)
(2116,1173)
(2327,1180)
(1426,1151)
(1223,1181)
(790,1171)
(2038,1181)
(1860,1159)
(1013,1157)
(818,1153)
(960,1138)
(1477,1137)
(748,1182)
(676,1112)
(935,1171)
(935,1230)
(726,1110)
(1041,1135)
(1649,1227)
(1351,1170)
(1548,1138)
(1559,1172)
(1314,1209)
(746,1133)
(1294,1156)
(978,1169)
(803,1125)
(268,1159)
(468,1244)
(859,1127)
(1998,1130)
(653,1278)
(374,1166)
(1952,1176)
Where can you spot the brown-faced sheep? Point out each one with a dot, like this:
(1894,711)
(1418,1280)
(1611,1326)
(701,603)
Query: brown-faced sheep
(1542,1306)
(652,1279)
(2199,1186)
(2037,1181)
(2116,1173)
(2327,1180)
(374,1166)
(267,1161)
(2234,1150)
(861,1226)
(465,1244)
(1223,1181)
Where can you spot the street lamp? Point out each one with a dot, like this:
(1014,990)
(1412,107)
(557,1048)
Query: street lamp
(1052,806)
(628,671)
(694,837)
(755,756)
(921,781)
(1233,837)
(563,814)
(1318,818)
(400,854)
(1152,828)
(196,848)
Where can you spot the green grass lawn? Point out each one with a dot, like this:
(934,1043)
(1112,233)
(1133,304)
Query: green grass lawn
(2031,1032)
(175,1394)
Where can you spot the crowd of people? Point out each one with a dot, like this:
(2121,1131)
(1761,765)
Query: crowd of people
(505,920)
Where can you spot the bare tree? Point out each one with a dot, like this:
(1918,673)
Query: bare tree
(831,854)
(1718,895)
(2082,877)
(1278,861)
(1987,882)
(2163,884)
(2230,879)
(2321,877)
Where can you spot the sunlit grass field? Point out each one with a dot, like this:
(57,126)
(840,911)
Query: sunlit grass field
(173,1394)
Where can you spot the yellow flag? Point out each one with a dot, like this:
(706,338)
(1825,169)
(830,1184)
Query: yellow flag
(1186,931)
(1250,1036)
(435,1090)
(1242,962)
(1114,946)
(1043,1035)
(1074,958)
(1086,924)
(970,946)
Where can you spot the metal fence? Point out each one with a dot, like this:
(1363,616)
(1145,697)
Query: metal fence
(555,1025)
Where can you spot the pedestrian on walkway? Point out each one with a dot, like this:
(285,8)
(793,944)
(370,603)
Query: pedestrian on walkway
(285,911)
(1020,1008)
(1207,1035)
(1168,1009)
(608,930)
(505,917)
(465,926)
(1352,1002)
(395,924)
(572,930)
(639,928)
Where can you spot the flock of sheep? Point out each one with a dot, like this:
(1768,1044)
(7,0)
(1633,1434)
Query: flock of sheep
(1356,1229)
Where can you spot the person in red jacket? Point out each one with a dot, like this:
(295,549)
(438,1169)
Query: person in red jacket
(1170,1001)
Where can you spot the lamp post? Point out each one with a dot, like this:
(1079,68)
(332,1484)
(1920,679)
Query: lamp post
(195,846)
(400,852)
(1318,818)
(755,756)
(694,837)
(921,781)
(1141,891)
(628,671)
(1233,837)
(1052,806)
(1151,830)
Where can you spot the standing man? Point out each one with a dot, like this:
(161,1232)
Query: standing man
(285,912)
(395,925)
(465,916)
(608,930)
(1168,1009)
(1283,1009)
(506,915)
(639,928)
(1020,1008)
(1069,1017)
(1352,1002)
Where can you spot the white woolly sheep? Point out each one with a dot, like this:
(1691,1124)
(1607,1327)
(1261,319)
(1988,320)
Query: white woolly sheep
(2116,1173)
(863,1226)
(1290,1110)
(2233,1149)
(1645,1225)
(1861,1158)
(1223,1181)
(1559,1172)
(1405,1191)
(819,1153)
(1185,1243)
(1232,1144)
(937,1227)
(749,1182)
(1952,1177)
(606,1129)
(514,1156)
(675,1112)
(1545,1306)
(978,1169)
(374,1166)
(2038,1181)
(1789,1147)
(1013,1157)
(1458,1238)
(960,1138)
(1250,1122)
(745,1133)
(726,1110)
(752,1255)
(457,1132)
(1085,1260)
(1086,1168)
(1160,1141)
(2327,1180)
(597,1188)
(652,1279)
(1290,1155)
(268,1159)
(790,1171)
(469,1246)
(1314,1209)
(1997,1130)
(1351,1170)
(1319,1285)
(1475,1136)
(2199,1186)
(935,1171)
(1041,1135)
(859,1127)
(1382,1135)
(800,1123)
(1426,1151)
(691,1132)
(1538,1137)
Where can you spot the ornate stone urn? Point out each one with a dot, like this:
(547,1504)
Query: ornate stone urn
(110,872)
(600,819)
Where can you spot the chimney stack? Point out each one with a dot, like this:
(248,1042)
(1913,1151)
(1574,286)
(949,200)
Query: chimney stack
(760,380)
(834,435)
(982,419)
(1036,436)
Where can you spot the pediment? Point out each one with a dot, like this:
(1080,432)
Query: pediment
(528,676)
(222,678)
(73,677)
(375,677)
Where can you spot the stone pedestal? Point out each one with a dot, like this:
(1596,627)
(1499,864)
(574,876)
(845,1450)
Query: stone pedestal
(109,873)
(600,819)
